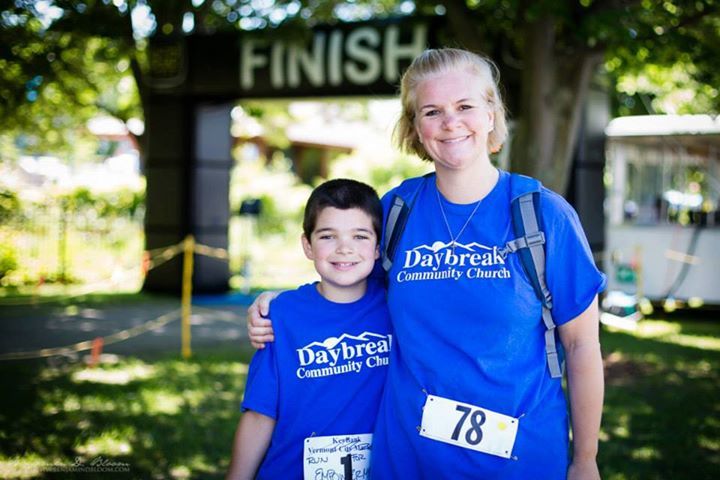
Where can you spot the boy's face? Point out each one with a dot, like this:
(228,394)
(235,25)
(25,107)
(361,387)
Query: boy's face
(343,246)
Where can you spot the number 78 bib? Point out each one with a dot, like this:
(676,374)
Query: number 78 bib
(468,426)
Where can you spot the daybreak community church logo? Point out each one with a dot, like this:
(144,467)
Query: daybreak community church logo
(453,261)
(344,354)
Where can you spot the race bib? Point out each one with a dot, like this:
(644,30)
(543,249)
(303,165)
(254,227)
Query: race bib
(468,426)
(337,457)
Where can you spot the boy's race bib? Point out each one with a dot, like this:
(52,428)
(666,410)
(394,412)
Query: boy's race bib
(337,457)
(468,426)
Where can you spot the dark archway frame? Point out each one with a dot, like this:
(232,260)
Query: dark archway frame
(192,86)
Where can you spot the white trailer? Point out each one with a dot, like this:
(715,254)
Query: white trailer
(662,208)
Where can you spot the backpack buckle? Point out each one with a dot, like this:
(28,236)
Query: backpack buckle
(536,238)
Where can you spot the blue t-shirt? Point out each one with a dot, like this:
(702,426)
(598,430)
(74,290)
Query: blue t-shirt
(324,374)
(468,328)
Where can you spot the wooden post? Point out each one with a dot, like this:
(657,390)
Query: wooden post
(188,251)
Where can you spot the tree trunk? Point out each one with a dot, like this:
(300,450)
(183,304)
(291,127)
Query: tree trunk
(554,87)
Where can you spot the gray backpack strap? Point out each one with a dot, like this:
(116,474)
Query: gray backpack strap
(392,232)
(530,246)
(535,240)
(523,242)
(397,216)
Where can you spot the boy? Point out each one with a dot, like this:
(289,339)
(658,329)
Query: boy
(312,396)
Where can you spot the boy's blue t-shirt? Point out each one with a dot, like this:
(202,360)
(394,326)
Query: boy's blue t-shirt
(323,375)
(469,328)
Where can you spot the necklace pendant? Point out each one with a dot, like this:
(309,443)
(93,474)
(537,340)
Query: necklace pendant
(454,238)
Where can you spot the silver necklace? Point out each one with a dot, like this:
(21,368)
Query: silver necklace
(453,240)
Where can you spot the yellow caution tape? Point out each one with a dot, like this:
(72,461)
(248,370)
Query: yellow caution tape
(156,257)
(153,324)
(211,251)
(681,257)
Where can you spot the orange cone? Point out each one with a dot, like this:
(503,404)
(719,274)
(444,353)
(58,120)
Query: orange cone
(97,346)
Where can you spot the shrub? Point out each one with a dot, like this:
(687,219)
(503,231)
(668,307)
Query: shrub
(8,259)
(9,205)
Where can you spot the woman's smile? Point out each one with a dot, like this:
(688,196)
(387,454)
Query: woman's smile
(453,119)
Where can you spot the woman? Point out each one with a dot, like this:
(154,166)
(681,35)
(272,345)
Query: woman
(468,393)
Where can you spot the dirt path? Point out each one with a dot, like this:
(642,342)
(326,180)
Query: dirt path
(59,324)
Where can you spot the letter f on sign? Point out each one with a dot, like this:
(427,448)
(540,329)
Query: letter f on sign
(249,61)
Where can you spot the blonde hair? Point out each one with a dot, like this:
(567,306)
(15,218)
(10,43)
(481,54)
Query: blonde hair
(432,62)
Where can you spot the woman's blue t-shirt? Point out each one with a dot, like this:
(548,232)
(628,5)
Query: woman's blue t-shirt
(468,327)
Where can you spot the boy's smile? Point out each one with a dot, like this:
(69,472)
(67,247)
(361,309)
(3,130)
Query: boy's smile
(343,246)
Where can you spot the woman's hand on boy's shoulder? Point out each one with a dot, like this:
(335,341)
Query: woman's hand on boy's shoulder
(259,326)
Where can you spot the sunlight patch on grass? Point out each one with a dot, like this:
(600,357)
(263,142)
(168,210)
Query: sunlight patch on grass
(709,443)
(180,472)
(74,403)
(699,369)
(193,465)
(674,379)
(184,368)
(199,462)
(621,429)
(645,453)
(162,402)
(49,409)
(27,466)
(111,442)
(71,404)
(193,398)
(704,343)
(616,476)
(649,329)
(115,376)
(671,332)
(231,368)
(228,396)
(99,404)
(83,424)
(49,374)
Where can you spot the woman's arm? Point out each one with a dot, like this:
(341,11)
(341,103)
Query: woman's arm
(251,443)
(581,339)
(259,327)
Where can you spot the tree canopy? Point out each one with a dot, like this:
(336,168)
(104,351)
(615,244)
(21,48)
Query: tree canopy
(62,61)
(550,52)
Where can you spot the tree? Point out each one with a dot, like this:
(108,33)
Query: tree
(55,75)
(68,55)
(551,51)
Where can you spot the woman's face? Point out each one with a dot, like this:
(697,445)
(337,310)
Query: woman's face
(453,119)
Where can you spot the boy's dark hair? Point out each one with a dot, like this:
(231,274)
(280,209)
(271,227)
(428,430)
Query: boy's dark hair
(343,194)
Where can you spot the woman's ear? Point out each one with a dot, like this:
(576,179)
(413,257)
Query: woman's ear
(307,247)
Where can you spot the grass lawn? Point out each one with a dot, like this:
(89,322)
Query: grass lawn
(162,417)
(662,401)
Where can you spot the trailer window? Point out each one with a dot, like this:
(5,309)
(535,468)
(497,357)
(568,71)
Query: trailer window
(652,185)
